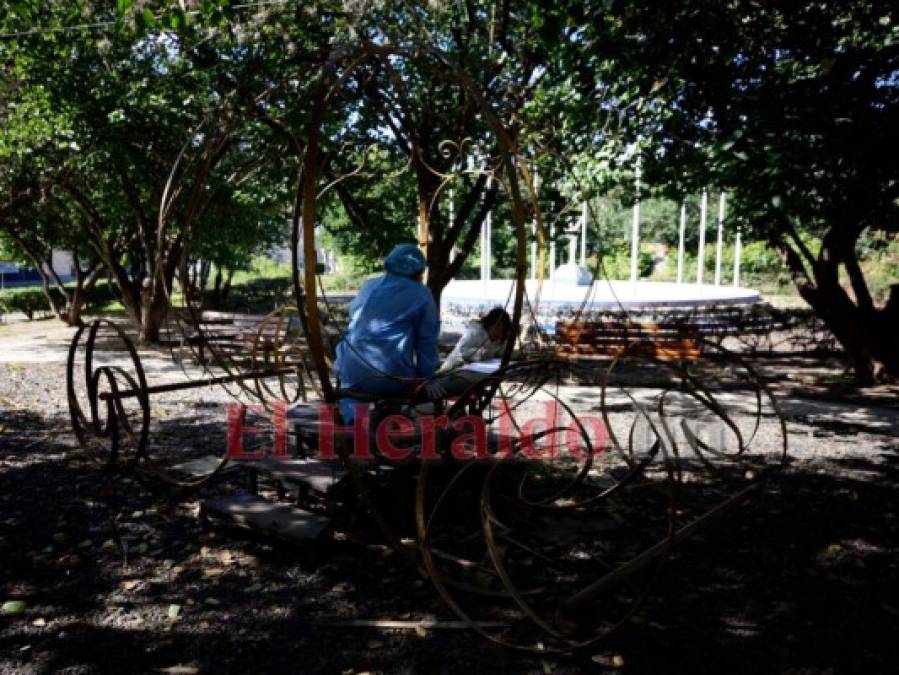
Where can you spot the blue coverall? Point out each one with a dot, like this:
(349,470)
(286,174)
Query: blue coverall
(392,338)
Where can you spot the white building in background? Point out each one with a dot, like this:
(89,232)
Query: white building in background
(15,275)
(63,264)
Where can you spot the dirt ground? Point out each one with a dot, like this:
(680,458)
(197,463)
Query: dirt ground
(110,574)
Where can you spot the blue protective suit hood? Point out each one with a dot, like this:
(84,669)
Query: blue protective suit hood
(406,260)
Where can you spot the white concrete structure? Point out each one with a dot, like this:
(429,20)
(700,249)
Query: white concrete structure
(567,293)
(571,274)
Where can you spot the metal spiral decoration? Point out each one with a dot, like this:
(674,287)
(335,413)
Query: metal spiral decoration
(621,506)
(108,426)
(559,541)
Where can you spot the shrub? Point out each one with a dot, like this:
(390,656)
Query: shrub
(28,301)
(758,259)
(31,301)
(349,280)
(760,265)
(102,294)
(617,263)
(257,295)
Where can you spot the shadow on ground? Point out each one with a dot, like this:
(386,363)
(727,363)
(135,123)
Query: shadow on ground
(118,578)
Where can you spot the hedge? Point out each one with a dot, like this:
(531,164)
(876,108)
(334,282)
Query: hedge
(28,301)
(31,301)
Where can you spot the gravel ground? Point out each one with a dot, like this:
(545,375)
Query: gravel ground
(117,576)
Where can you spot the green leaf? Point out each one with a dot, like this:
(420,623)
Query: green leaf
(123,6)
(13,607)
(146,19)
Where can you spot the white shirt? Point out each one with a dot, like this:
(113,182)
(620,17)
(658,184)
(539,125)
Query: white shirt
(474,345)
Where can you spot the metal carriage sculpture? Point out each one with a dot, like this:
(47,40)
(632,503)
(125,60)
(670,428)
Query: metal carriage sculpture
(557,530)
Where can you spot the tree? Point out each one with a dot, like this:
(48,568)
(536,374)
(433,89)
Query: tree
(408,95)
(790,108)
(33,229)
(33,220)
(156,144)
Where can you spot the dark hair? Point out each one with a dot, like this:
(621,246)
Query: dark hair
(497,315)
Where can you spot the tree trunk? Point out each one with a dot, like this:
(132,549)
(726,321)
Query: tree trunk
(226,287)
(475,206)
(857,326)
(76,304)
(849,321)
(48,293)
(152,315)
(205,266)
(44,272)
(885,330)
(846,322)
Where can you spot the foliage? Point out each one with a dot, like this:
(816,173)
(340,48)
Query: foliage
(261,267)
(787,106)
(32,301)
(28,301)
(171,134)
(616,263)
(153,151)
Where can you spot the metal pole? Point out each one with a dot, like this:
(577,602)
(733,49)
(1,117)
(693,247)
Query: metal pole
(484,249)
(452,219)
(486,233)
(738,251)
(552,251)
(485,243)
(584,234)
(635,228)
(700,254)
(489,236)
(680,242)
(534,226)
(192,384)
(719,247)
(534,250)
(655,553)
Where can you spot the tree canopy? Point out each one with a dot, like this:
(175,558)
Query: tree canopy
(172,132)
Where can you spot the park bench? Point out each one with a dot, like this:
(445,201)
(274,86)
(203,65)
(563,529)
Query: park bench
(593,338)
(665,334)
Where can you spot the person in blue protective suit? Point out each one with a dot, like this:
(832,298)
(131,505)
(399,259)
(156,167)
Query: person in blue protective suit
(391,343)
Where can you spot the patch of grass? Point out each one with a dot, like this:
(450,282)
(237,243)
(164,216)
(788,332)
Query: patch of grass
(261,268)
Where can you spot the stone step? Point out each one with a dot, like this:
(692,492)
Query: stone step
(203,466)
(317,474)
(258,514)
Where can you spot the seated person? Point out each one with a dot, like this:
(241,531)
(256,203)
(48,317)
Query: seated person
(391,343)
(484,339)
